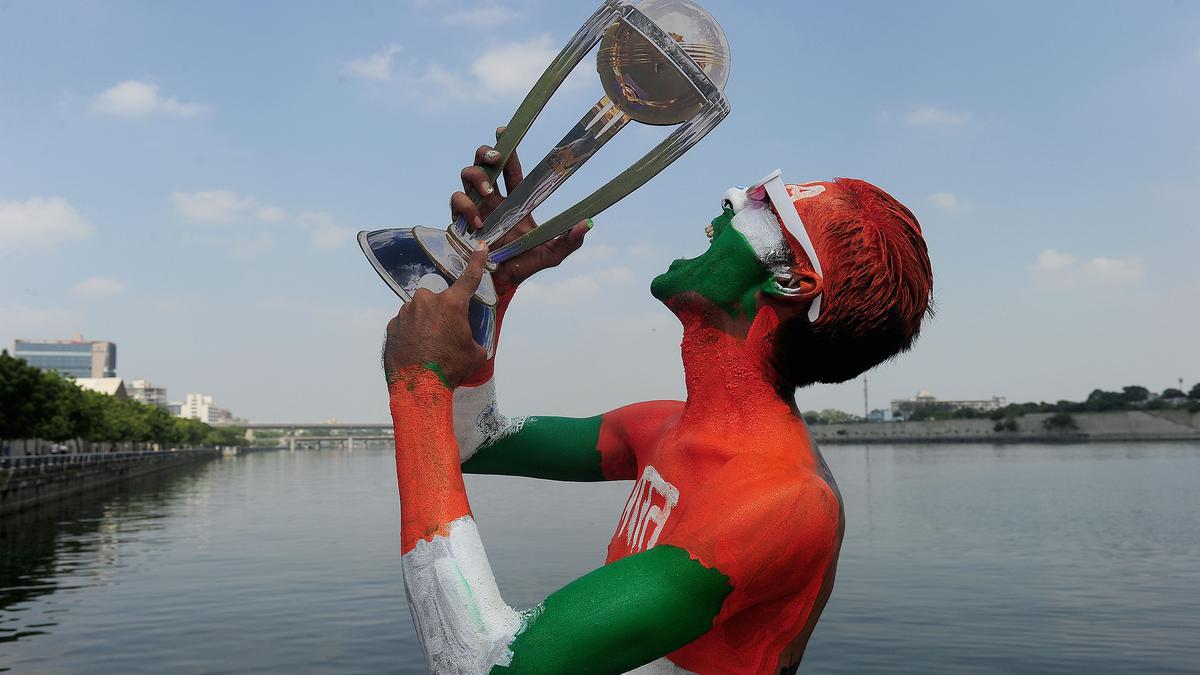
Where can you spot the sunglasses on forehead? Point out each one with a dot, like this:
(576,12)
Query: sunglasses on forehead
(772,192)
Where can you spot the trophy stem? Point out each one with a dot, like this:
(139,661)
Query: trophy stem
(596,128)
(555,74)
(666,152)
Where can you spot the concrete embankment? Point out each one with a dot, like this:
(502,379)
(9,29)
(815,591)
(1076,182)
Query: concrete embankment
(29,481)
(1124,426)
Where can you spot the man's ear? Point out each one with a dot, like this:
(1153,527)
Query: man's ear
(799,286)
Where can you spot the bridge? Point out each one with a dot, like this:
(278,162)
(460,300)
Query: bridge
(319,434)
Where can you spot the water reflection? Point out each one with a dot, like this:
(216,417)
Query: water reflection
(75,542)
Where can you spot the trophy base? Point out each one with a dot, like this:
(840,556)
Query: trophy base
(410,258)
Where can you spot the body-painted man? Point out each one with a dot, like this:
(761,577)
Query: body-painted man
(724,554)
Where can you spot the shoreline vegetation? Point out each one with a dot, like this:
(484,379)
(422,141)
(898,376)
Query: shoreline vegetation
(38,405)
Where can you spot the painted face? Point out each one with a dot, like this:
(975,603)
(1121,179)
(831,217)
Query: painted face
(747,252)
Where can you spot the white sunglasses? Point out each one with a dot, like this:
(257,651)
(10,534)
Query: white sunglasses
(772,191)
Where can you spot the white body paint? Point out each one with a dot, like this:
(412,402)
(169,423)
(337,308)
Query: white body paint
(477,419)
(464,625)
(649,506)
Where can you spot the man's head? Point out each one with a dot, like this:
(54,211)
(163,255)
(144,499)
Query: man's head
(871,280)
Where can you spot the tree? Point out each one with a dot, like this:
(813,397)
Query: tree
(21,398)
(1194,392)
(1172,392)
(1006,424)
(1135,394)
(1060,422)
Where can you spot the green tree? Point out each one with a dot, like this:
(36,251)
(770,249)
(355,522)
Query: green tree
(22,398)
(1194,392)
(1060,422)
(1172,392)
(1135,394)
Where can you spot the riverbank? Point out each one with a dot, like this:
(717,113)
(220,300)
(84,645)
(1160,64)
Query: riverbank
(29,481)
(1123,426)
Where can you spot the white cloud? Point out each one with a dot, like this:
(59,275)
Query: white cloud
(944,200)
(1065,270)
(377,66)
(99,287)
(40,224)
(271,214)
(505,70)
(211,206)
(1115,269)
(482,15)
(223,206)
(572,290)
(133,98)
(324,231)
(931,116)
(510,69)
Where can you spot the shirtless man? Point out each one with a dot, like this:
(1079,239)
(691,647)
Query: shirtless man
(724,555)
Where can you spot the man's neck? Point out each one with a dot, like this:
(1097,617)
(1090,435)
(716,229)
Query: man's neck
(728,377)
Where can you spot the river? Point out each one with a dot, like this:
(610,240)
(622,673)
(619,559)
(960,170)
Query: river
(957,559)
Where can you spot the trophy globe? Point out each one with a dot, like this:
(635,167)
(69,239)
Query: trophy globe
(660,62)
(641,80)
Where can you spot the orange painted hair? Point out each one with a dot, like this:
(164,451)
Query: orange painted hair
(878,285)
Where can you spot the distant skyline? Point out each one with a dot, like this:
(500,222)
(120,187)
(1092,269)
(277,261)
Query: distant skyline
(185,180)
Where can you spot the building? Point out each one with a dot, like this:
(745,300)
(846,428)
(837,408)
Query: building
(74,358)
(903,408)
(144,392)
(201,407)
(111,386)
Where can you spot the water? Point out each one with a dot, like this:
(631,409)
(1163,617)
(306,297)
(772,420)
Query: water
(957,559)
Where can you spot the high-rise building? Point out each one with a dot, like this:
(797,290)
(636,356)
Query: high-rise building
(74,358)
(201,407)
(144,392)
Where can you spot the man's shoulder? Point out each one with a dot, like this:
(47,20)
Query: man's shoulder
(766,519)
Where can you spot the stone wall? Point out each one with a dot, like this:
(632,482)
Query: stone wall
(27,481)
(1155,425)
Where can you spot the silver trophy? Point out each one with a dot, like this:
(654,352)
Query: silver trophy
(661,62)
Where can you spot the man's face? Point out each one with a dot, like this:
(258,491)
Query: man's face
(746,252)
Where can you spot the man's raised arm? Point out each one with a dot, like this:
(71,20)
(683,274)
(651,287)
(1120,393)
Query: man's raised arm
(558,448)
(612,620)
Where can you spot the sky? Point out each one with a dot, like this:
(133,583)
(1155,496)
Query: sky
(186,179)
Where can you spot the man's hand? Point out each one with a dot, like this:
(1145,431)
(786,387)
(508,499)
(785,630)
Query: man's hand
(514,271)
(432,330)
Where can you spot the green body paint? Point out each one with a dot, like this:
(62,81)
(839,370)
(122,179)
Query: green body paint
(728,273)
(555,448)
(620,616)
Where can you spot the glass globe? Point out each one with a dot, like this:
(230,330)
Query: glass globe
(642,82)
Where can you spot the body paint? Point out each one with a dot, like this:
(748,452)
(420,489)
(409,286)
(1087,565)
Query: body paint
(463,624)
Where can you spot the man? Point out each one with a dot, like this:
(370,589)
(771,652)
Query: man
(724,555)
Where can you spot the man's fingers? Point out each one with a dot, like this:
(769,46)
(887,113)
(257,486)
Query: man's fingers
(486,155)
(469,281)
(461,205)
(475,178)
(512,168)
(567,244)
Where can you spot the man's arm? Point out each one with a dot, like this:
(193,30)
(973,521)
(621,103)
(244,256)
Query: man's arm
(558,448)
(612,620)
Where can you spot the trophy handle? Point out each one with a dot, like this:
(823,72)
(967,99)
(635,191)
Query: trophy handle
(670,149)
(597,127)
(555,74)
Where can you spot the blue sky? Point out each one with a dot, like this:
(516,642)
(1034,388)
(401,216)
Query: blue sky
(185,179)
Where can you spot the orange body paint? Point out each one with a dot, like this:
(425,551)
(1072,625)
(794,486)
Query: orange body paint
(427,469)
(732,477)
